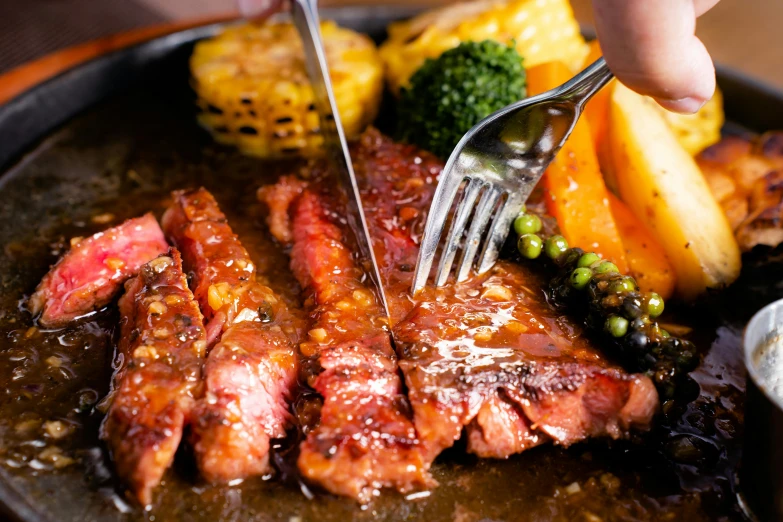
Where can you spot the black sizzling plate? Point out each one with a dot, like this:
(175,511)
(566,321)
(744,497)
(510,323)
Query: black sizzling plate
(66,148)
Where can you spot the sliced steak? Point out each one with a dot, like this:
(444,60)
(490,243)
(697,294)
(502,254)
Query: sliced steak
(488,356)
(92,272)
(491,348)
(365,440)
(251,371)
(158,379)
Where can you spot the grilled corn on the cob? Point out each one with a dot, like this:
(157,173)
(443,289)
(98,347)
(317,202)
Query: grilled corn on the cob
(698,131)
(254,93)
(543,30)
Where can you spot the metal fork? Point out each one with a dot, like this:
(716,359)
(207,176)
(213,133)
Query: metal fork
(496,165)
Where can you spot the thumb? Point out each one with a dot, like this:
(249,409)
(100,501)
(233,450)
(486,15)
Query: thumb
(651,47)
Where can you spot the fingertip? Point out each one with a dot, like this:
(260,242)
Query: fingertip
(653,50)
(680,81)
(688,105)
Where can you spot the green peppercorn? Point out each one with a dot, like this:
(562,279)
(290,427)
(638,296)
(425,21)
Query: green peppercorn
(626,284)
(654,305)
(617,326)
(523,209)
(665,334)
(588,260)
(530,246)
(606,267)
(527,224)
(580,277)
(555,246)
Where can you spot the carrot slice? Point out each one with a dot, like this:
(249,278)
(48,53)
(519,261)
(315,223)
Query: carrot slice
(577,196)
(597,114)
(647,261)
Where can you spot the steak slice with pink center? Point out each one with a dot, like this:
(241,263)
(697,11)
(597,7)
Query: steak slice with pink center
(92,272)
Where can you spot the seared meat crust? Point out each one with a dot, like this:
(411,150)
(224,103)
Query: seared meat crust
(251,370)
(158,377)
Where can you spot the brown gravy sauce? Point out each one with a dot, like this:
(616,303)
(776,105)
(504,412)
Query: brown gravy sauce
(53,379)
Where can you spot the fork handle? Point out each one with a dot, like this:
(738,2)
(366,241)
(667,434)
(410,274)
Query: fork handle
(584,85)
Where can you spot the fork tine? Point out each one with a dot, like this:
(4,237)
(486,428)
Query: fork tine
(484,211)
(439,211)
(501,227)
(456,229)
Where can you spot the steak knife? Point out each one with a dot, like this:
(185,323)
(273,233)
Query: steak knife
(305,17)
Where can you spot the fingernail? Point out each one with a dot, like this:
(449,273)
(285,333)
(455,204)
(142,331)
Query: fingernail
(687,105)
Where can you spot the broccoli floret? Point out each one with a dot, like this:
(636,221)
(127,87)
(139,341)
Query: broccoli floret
(450,94)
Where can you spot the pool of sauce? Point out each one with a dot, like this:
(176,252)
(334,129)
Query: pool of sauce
(121,159)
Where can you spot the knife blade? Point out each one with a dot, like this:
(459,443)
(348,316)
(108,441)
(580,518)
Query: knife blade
(305,17)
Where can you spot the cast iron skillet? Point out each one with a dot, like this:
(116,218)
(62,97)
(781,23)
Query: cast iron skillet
(65,149)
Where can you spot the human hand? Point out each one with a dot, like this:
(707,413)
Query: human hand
(651,47)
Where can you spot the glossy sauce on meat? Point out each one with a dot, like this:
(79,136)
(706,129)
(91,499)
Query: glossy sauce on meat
(491,345)
(158,373)
(250,373)
(365,439)
(49,426)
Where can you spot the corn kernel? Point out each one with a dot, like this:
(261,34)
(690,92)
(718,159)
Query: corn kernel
(54,456)
(157,308)
(102,219)
(27,426)
(57,429)
(161,263)
(482,334)
(54,361)
(200,347)
(145,351)
(172,299)
(516,327)
(214,298)
(408,213)
(161,333)
(318,335)
(362,297)
(497,293)
(308,349)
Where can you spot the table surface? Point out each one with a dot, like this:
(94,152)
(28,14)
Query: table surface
(743,34)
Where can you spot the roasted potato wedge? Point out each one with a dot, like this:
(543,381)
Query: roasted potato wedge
(663,186)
